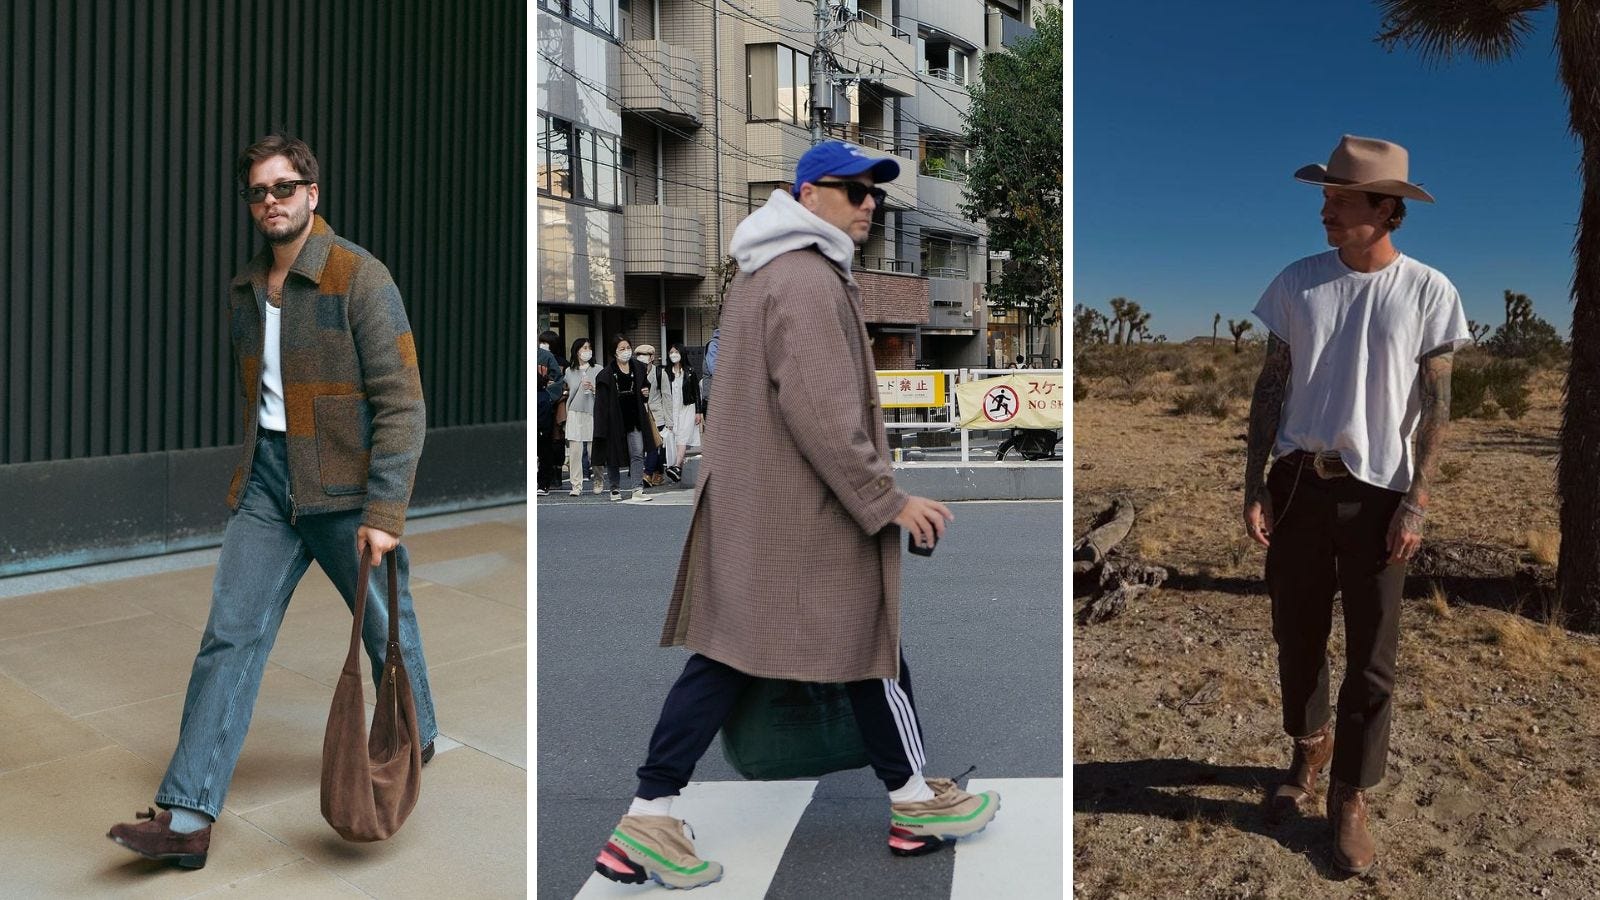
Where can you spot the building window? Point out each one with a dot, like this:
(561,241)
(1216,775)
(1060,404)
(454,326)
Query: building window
(577,164)
(946,258)
(943,60)
(777,84)
(598,15)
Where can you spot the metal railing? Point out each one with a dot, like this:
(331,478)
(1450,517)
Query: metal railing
(944,418)
(880,24)
(884,264)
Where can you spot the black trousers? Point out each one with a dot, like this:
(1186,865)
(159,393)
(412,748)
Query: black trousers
(703,696)
(1330,536)
(547,458)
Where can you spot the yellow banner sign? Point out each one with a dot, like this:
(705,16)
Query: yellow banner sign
(1024,400)
(905,390)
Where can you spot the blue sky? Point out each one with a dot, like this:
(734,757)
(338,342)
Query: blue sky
(1189,119)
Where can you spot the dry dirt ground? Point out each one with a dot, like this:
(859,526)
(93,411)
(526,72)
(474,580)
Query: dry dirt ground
(1176,731)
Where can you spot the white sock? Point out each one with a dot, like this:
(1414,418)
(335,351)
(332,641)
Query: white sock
(185,821)
(661,806)
(913,791)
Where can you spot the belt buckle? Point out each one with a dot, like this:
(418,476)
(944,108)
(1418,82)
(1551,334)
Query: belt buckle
(1319,464)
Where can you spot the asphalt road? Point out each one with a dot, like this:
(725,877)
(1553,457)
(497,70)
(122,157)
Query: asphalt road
(982,630)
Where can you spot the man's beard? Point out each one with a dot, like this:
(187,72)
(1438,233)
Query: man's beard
(285,232)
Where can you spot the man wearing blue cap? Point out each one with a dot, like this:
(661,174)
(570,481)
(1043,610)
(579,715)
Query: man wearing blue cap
(791,569)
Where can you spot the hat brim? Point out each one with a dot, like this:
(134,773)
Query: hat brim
(1318,174)
(882,169)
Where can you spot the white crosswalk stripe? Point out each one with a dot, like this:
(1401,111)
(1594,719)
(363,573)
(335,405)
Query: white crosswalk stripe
(1019,856)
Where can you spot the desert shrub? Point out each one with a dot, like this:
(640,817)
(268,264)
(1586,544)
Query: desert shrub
(1531,339)
(1167,357)
(1205,374)
(1508,385)
(1208,400)
(1130,365)
(1079,389)
(1450,470)
(1469,387)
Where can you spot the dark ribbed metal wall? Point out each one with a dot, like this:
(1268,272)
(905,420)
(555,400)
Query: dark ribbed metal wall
(119,226)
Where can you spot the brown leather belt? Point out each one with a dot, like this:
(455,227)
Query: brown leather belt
(1326,466)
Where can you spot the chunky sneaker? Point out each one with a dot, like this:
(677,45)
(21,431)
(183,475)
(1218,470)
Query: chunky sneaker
(675,473)
(599,487)
(654,847)
(924,826)
(640,495)
(155,839)
(577,491)
(616,495)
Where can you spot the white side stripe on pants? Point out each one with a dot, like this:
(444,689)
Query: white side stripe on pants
(905,720)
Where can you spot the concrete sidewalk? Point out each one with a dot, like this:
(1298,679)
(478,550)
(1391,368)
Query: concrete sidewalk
(93,667)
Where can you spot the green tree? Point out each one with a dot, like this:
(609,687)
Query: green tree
(1014,182)
(1492,30)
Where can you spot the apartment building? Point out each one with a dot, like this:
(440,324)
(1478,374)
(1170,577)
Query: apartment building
(663,123)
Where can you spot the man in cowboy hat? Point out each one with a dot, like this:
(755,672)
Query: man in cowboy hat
(1358,365)
(791,569)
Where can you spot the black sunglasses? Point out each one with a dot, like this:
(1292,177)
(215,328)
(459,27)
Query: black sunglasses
(283,190)
(856,191)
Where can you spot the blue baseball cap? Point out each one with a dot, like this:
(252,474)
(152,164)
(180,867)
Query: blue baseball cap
(841,158)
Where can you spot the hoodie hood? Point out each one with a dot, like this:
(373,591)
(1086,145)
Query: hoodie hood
(783,225)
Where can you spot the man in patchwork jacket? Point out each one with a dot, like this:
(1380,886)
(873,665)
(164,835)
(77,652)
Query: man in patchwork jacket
(333,427)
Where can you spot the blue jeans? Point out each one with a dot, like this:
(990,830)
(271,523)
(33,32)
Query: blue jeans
(264,555)
(635,462)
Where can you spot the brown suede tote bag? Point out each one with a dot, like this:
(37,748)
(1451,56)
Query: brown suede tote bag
(370,781)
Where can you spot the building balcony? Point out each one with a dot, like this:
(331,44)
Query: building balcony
(1003,31)
(954,302)
(664,241)
(960,21)
(663,81)
(941,199)
(943,104)
(886,52)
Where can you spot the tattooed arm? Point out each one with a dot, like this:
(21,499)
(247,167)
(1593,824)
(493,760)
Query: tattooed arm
(1266,409)
(1405,531)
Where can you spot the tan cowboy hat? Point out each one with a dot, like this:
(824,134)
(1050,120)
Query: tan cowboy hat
(1365,164)
(645,349)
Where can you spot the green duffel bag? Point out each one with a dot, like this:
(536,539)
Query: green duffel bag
(792,729)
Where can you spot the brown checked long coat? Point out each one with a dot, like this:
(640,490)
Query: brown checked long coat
(792,564)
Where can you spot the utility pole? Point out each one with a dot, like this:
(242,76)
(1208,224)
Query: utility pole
(821,72)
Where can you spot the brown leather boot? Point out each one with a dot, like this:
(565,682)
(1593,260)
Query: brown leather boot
(1353,848)
(155,839)
(1311,756)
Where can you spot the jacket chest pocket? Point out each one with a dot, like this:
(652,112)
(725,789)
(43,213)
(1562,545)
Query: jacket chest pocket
(344,442)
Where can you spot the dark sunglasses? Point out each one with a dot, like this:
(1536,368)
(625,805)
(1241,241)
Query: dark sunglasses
(283,190)
(856,191)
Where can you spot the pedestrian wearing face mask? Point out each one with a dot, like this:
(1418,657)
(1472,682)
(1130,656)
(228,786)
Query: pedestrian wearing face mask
(655,461)
(682,396)
(580,384)
(622,431)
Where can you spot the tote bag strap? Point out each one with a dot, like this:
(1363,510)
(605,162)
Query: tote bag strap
(352,659)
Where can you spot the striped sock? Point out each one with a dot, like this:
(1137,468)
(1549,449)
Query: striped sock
(913,791)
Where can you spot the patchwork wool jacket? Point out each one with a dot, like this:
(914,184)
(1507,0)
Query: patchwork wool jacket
(352,390)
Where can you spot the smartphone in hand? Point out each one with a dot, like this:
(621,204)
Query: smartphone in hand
(911,544)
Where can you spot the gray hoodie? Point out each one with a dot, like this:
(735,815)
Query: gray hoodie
(783,225)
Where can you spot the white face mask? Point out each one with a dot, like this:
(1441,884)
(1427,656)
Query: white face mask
(675,358)
(585,355)
(624,355)
(543,346)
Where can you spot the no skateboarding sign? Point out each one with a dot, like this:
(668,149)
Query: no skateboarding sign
(1023,400)
(1000,404)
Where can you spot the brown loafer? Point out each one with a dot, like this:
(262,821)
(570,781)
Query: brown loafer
(1312,754)
(155,839)
(1354,850)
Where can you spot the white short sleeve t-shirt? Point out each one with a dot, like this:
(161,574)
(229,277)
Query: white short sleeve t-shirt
(1357,340)
(270,413)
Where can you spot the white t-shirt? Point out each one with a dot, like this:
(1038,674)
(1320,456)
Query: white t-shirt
(1357,340)
(270,414)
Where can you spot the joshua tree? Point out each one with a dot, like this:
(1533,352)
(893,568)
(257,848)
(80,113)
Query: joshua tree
(1139,324)
(1478,330)
(1518,307)
(1238,329)
(1492,30)
(1119,316)
(1215,321)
